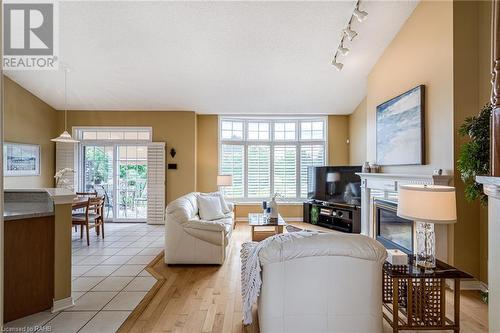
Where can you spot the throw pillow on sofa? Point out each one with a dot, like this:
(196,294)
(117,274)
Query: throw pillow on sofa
(223,203)
(209,207)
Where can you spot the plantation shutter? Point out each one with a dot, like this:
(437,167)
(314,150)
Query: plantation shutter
(259,171)
(156,183)
(285,171)
(232,162)
(310,155)
(65,158)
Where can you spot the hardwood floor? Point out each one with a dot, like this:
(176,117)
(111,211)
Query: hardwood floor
(200,298)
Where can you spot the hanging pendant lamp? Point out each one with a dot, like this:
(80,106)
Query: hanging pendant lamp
(65,137)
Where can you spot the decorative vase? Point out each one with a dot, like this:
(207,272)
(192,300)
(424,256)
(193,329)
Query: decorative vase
(366,168)
(274,208)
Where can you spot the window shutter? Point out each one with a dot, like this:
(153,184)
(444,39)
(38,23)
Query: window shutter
(310,155)
(232,162)
(285,171)
(65,158)
(259,171)
(156,183)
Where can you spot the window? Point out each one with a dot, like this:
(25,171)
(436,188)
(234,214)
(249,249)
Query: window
(270,155)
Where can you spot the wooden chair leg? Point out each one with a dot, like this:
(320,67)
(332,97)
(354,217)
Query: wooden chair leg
(88,238)
(81,231)
(97,230)
(102,227)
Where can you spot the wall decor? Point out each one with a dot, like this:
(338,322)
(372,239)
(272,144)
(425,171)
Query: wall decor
(401,128)
(21,159)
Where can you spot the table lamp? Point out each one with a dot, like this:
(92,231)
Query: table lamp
(224,181)
(427,205)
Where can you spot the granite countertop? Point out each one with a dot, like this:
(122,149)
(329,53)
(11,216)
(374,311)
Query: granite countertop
(26,210)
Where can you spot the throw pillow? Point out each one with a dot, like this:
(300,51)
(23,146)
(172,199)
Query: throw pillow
(210,207)
(223,203)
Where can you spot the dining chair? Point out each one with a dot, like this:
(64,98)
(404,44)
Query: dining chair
(91,217)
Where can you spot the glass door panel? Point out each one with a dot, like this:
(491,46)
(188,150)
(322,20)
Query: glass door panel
(131,192)
(98,174)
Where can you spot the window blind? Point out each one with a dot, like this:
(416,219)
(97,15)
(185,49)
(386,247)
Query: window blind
(285,171)
(156,183)
(310,155)
(259,171)
(232,162)
(65,158)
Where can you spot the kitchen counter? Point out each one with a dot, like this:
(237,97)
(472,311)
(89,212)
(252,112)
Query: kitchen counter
(25,210)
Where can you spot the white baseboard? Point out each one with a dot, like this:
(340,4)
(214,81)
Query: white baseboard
(287,219)
(470,284)
(62,304)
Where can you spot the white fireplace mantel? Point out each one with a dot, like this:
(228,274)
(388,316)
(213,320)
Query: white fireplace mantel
(389,183)
(491,187)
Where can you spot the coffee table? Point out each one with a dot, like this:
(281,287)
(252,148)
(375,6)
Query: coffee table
(261,223)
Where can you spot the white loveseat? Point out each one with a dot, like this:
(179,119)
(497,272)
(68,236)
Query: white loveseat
(190,240)
(328,282)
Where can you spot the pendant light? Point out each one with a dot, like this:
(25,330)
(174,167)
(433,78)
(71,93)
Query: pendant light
(65,137)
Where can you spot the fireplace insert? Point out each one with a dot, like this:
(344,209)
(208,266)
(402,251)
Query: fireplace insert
(393,231)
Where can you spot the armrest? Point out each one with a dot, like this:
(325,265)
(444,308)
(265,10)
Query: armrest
(204,225)
(230,205)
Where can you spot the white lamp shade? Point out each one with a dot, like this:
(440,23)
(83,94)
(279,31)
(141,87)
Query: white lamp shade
(427,203)
(224,180)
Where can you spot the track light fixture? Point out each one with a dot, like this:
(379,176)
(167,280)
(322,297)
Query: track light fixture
(350,34)
(360,14)
(336,64)
(343,50)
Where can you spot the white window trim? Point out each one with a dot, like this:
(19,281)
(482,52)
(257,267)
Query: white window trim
(271,142)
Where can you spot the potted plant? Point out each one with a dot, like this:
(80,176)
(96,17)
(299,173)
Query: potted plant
(474,156)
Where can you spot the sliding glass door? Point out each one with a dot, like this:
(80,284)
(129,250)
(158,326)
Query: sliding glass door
(119,173)
(98,173)
(132,186)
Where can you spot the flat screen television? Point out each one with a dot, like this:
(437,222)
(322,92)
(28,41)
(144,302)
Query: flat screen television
(335,184)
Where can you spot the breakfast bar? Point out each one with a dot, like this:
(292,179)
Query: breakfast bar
(37,274)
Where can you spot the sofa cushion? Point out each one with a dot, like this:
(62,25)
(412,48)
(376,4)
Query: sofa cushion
(210,207)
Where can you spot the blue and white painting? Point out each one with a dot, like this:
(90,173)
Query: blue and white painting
(400,129)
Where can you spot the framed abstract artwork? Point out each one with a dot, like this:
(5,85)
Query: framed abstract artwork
(401,129)
(20,159)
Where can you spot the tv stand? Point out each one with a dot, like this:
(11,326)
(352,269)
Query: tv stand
(336,216)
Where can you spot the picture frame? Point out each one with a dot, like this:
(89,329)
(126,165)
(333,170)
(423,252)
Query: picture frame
(400,129)
(21,159)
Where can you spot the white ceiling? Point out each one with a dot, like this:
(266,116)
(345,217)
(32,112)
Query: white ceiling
(215,57)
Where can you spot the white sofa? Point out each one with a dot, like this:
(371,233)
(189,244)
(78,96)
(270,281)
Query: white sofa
(190,240)
(328,282)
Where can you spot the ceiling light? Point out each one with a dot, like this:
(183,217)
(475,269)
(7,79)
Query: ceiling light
(360,14)
(65,137)
(349,33)
(336,64)
(343,50)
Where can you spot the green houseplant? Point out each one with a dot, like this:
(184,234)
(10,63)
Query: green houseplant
(474,156)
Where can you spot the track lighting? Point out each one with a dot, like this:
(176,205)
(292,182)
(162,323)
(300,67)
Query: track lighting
(343,50)
(349,33)
(360,14)
(336,64)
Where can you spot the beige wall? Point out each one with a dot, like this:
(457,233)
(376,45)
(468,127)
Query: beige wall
(27,119)
(177,129)
(471,61)
(207,153)
(454,66)
(338,134)
(421,53)
(357,134)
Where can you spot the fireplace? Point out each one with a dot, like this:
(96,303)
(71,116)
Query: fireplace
(392,231)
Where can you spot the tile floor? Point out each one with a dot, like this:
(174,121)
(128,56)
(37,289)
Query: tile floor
(109,280)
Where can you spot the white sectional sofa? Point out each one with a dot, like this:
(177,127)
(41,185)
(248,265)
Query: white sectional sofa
(323,283)
(190,240)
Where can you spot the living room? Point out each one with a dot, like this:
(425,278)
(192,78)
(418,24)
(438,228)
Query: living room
(247,103)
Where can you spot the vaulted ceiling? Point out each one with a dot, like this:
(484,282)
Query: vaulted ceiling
(215,57)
